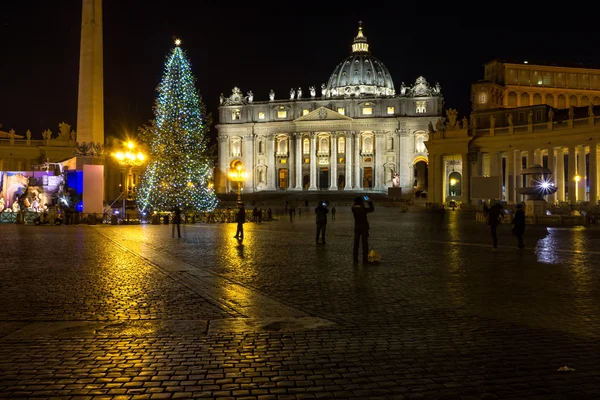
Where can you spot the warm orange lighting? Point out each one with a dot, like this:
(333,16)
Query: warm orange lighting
(453,181)
(577,178)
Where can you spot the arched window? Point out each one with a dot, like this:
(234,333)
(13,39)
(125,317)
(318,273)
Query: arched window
(573,101)
(550,100)
(420,144)
(561,102)
(341,145)
(306,146)
(596,101)
(537,99)
(524,99)
(367,144)
(261,147)
(324,145)
(236,147)
(390,143)
(261,175)
(282,146)
(585,101)
(512,99)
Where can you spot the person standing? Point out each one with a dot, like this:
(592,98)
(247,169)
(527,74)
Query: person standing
(518,222)
(177,221)
(495,215)
(240,219)
(291,212)
(361,227)
(333,211)
(321,213)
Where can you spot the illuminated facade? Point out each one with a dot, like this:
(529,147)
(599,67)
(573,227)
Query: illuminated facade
(355,136)
(505,137)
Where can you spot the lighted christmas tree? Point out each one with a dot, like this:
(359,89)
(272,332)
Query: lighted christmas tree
(179,170)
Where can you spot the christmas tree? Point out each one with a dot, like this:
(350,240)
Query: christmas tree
(179,170)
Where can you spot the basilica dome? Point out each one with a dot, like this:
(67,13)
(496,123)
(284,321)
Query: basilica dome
(360,73)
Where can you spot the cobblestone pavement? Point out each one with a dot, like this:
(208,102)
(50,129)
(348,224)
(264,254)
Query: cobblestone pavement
(130,312)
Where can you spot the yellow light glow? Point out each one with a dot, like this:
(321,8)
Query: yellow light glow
(141,156)
(177,42)
(190,184)
(577,178)
(130,145)
(452,181)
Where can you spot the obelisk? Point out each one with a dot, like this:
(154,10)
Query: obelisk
(90,109)
(90,106)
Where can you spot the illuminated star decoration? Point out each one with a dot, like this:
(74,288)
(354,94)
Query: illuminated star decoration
(177,42)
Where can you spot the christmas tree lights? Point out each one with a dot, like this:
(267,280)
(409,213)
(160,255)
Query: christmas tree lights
(179,170)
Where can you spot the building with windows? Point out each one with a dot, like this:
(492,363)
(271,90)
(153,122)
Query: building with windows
(356,135)
(519,85)
(511,129)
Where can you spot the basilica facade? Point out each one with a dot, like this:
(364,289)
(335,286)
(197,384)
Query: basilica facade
(359,134)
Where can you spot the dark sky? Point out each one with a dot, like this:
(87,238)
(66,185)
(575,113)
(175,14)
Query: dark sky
(253,48)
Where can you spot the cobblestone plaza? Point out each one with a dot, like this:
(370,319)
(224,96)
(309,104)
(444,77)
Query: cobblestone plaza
(130,312)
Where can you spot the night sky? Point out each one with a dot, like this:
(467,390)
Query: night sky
(231,45)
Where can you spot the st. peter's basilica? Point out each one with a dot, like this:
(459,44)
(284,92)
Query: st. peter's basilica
(357,135)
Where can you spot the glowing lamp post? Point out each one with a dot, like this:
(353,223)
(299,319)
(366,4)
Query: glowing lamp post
(129,159)
(238,175)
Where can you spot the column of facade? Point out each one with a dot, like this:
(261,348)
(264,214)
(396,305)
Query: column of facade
(496,169)
(348,159)
(466,179)
(333,162)
(518,176)
(291,160)
(298,155)
(247,162)
(223,161)
(357,181)
(313,161)
(582,184)
(439,179)
(593,166)
(571,172)
(271,165)
(379,169)
(539,157)
(509,181)
(530,157)
(551,167)
(559,177)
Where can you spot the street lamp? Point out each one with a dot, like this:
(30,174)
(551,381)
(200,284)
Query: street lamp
(129,159)
(238,175)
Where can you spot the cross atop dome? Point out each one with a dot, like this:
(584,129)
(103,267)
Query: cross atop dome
(360,44)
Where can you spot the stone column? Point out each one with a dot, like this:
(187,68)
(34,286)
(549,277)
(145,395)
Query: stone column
(551,166)
(581,185)
(223,161)
(496,169)
(509,181)
(571,172)
(530,158)
(348,158)
(313,161)
(538,157)
(248,161)
(357,181)
(378,170)
(593,166)
(333,162)
(466,179)
(299,160)
(560,174)
(271,166)
(291,161)
(439,179)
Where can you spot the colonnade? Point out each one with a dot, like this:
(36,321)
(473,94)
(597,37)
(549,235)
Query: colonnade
(572,182)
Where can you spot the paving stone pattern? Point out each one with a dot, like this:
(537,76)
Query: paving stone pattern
(130,312)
